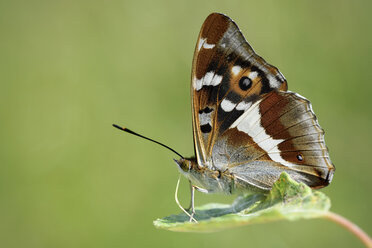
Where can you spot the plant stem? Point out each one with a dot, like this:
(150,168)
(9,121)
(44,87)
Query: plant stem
(351,227)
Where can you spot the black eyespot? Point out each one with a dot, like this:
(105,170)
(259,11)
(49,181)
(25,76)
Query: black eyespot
(206,128)
(299,157)
(207,110)
(245,83)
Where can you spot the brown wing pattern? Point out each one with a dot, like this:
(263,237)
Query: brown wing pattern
(278,133)
(244,120)
(227,78)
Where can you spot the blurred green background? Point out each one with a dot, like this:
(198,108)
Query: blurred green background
(69,69)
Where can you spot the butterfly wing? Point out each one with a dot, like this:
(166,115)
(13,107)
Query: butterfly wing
(278,133)
(236,96)
(222,58)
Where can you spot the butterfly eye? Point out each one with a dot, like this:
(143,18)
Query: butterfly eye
(245,83)
(299,157)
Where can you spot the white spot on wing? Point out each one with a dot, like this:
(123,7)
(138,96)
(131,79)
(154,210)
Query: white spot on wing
(236,69)
(250,123)
(205,118)
(198,83)
(208,46)
(243,105)
(274,83)
(200,44)
(209,79)
(203,43)
(216,80)
(253,75)
(227,105)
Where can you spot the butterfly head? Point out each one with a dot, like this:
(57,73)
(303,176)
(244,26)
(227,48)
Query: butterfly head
(206,179)
(185,165)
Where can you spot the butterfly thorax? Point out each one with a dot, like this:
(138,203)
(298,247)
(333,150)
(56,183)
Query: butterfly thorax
(212,180)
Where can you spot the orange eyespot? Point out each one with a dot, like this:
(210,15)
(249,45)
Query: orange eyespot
(245,83)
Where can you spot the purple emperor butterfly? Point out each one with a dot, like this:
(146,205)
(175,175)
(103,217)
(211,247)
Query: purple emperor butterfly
(247,127)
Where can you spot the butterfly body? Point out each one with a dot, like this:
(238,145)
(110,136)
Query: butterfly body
(248,128)
(213,180)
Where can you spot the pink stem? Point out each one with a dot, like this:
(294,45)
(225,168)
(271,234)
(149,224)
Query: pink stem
(350,226)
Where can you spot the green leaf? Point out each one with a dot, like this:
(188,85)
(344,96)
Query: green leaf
(288,200)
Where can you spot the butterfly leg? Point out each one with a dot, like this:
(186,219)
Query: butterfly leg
(192,191)
(192,202)
(202,190)
(178,203)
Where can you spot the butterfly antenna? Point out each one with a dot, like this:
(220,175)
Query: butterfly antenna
(139,135)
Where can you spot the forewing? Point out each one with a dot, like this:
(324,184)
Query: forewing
(227,78)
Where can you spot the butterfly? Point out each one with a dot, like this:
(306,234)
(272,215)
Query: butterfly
(247,127)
